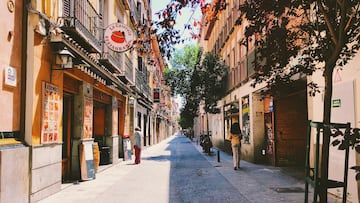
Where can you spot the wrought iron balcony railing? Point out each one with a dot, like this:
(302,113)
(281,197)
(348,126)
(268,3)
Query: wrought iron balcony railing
(128,77)
(113,61)
(83,23)
(142,82)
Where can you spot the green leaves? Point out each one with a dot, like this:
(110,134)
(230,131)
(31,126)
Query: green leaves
(196,81)
(213,72)
(301,33)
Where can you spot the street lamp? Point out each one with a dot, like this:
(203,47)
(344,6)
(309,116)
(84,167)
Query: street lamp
(63,58)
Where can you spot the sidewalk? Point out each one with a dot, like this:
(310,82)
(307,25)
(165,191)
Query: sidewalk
(262,183)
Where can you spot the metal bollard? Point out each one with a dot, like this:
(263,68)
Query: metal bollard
(218,155)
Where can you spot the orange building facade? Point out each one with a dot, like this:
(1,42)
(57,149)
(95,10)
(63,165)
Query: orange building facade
(68,98)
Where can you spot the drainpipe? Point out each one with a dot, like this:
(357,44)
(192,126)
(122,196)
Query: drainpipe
(24,29)
(24,39)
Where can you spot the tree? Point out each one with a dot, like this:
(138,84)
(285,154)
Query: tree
(213,71)
(196,81)
(319,35)
(183,78)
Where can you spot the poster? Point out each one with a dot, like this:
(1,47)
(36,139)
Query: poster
(50,113)
(245,106)
(88,117)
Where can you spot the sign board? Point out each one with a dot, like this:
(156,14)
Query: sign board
(87,161)
(50,113)
(336,103)
(119,37)
(10,76)
(156,95)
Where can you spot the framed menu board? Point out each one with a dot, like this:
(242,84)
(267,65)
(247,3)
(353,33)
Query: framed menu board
(87,161)
(50,113)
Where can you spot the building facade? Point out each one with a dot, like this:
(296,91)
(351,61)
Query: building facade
(253,107)
(274,127)
(69,94)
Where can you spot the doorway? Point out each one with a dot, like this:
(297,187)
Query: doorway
(68,101)
(145,126)
(290,121)
(99,131)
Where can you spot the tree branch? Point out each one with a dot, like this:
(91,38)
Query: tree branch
(350,18)
(327,21)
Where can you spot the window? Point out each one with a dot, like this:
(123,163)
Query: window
(140,63)
(233,57)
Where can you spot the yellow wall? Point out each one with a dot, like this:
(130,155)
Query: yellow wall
(43,58)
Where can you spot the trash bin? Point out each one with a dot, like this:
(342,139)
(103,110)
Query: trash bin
(104,155)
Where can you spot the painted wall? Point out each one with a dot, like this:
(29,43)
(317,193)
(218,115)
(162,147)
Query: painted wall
(10,56)
(14,188)
(346,89)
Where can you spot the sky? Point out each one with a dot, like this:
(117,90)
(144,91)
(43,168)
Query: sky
(188,16)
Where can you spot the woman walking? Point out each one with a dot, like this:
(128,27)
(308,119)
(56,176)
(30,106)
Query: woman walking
(235,137)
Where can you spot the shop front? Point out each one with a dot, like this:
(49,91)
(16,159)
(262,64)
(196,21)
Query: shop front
(231,115)
(102,113)
(70,89)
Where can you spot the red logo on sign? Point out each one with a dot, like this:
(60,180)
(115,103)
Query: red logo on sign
(118,37)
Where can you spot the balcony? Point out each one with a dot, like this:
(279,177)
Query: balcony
(127,74)
(135,11)
(113,61)
(142,83)
(83,23)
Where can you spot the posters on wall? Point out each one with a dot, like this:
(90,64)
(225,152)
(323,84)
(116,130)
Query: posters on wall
(50,113)
(88,117)
(245,106)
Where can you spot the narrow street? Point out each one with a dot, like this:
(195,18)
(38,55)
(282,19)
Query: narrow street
(176,170)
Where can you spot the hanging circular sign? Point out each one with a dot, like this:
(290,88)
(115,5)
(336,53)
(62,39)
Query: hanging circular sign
(118,37)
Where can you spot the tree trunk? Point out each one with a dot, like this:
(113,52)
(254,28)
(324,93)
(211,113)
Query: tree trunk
(326,134)
(207,123)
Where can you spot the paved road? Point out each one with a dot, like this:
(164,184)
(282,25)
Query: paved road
(177,171)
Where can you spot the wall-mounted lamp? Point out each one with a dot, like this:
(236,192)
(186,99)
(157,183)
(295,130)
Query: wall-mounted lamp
(63,58)
(131,101)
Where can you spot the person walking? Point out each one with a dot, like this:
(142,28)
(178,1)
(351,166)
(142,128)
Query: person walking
(235,137)
(137,145)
